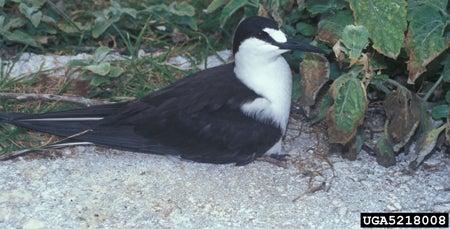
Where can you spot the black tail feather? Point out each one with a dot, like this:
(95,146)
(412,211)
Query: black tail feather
(87,125)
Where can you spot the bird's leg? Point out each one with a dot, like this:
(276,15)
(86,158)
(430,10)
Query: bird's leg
(279,160)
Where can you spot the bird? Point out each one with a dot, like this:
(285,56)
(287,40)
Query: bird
(232,113)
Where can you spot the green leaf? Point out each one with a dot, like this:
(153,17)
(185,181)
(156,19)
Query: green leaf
(437,4)
(115,72)
(73,28)
(2,3)
(440,111)
(324,6)
(32,13)
(386,22)
(305,29)
(38,3)
(215,4)
(190,21)
(384,151)
(98,80)
(21,37)
(101,53)
(182,9)
(14,23)
(295,88)
(105,19)
(425,39)
(115,11)
(347,112)
(102,68)
(158,8)
(355,38)
(230,8)
(79,62)
(100,26)
(325,104)
(130,11)
(330,28)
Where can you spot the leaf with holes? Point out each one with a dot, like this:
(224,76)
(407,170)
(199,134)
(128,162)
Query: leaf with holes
(425,40)
(347,112)
(385,21)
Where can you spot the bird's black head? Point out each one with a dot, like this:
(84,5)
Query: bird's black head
(267,30)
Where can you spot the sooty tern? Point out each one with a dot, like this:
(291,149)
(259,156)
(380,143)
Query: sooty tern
(232,113)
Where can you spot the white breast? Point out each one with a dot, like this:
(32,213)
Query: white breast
(267,73)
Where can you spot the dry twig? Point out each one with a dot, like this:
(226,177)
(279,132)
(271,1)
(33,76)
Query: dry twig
(50,97)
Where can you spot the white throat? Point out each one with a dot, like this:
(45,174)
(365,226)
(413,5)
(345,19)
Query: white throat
(261,67)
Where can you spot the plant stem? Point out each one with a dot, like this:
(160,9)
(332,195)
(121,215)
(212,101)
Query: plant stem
(430,92)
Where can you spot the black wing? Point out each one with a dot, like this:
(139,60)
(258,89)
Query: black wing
(197,118)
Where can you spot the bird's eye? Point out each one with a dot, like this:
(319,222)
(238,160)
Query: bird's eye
(263,35)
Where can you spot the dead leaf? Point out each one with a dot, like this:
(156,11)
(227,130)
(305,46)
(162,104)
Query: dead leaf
(315,72)
(403,114)
(425,146)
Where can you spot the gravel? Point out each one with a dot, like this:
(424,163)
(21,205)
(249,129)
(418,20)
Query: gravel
(93,187)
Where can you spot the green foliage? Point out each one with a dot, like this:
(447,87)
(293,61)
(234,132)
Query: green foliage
(35,22)
(230,7)
(106,18)
(385,21)
(99,68)
(428,21)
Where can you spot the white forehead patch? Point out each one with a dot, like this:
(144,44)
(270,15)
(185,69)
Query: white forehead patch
(276,34)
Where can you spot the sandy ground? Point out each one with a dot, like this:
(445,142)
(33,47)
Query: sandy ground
(90,187)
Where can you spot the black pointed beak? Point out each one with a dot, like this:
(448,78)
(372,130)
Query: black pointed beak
(293,45)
